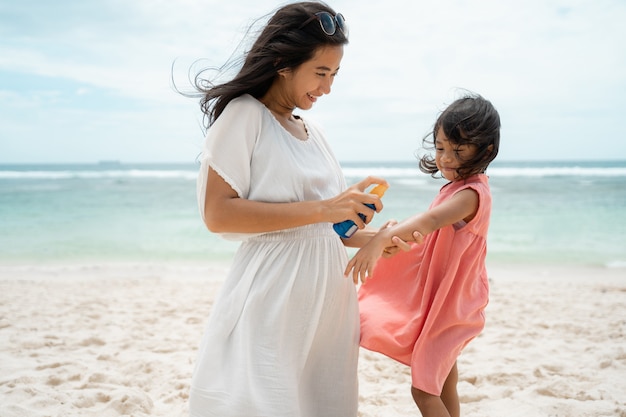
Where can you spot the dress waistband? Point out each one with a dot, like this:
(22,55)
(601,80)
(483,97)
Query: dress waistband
(303,232)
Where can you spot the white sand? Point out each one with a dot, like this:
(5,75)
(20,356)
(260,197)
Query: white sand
(113,340)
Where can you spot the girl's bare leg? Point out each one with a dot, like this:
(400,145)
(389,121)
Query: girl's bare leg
(449,394)
(447,405)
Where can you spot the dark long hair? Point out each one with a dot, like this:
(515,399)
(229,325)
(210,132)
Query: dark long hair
(283,43)
(469,120)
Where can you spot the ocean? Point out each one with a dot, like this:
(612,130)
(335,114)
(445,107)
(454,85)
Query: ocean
(564,213)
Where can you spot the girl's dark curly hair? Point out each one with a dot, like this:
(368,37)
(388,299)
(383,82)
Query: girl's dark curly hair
(469,120)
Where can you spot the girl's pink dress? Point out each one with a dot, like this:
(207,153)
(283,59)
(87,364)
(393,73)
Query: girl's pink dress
(423,306)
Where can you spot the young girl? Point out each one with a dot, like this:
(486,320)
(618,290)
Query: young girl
(424,305)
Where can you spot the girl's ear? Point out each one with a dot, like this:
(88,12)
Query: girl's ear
(489,151)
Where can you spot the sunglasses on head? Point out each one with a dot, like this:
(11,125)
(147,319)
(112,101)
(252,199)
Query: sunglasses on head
(329,23)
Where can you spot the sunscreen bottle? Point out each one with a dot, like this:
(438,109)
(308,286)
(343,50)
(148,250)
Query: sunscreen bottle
(347,228)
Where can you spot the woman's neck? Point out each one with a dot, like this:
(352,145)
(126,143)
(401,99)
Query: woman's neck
(283,113)
(277,104)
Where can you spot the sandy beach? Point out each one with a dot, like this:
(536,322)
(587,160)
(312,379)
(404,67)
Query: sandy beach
(120,340)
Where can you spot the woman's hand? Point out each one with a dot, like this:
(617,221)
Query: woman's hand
(401,245)
(362,264)
(397,243)
(351,202)
(226,212)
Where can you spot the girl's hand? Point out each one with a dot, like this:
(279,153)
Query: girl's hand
(362,263)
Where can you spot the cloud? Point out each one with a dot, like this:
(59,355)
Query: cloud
(553,69)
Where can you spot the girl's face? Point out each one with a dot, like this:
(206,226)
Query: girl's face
(449,157)
(303,85)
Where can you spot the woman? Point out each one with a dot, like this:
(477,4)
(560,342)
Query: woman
(283,335)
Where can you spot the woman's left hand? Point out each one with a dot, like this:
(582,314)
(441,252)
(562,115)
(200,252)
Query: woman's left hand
(401,245)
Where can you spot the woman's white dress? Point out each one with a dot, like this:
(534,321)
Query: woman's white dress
(282,336)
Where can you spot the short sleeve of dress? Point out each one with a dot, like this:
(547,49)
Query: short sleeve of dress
(479,183)
(229,145)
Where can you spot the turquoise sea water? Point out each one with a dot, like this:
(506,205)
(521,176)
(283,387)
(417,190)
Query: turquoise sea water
(543,212)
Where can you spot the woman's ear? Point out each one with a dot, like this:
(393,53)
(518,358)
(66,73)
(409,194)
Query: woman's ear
(284,71)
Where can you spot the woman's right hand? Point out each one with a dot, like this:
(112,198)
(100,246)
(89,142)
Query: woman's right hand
(351,202)
(226,212)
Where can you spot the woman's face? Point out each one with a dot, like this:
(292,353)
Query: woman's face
(449,157)
(313,78)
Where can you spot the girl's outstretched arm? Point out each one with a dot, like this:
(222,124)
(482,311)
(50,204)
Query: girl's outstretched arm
(462,206)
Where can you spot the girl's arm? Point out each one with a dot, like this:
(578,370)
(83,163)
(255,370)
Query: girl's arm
(362,237)
(461,206)
(225,212)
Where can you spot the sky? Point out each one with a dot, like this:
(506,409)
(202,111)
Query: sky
(86,81)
